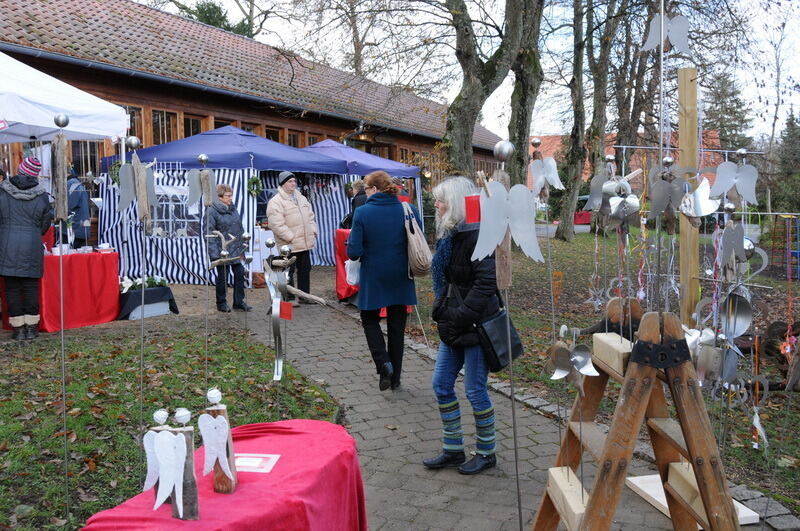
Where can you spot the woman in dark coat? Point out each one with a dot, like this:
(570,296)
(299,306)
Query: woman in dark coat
(453,269)
(378,238)
(223,217)
(25,215)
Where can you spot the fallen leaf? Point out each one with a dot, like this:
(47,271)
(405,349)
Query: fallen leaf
(390,427)
(74,412)
(23,510)
(57,521)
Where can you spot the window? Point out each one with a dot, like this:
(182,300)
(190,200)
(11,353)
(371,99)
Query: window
(250,128)
(403,154)
(135,116)
(313,138)
(221,122)
(192,125)
(173,216)
(294,138)
(86,157)
(165,127)
(272,134)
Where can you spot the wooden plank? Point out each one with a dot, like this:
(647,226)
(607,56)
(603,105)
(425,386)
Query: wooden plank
(670,430)
(547,516)
(650,488)
(567,494)
(590,436)
(603,367)
(613,349)
(689,235)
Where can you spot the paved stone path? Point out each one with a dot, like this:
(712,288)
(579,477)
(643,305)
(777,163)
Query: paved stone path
(395,430)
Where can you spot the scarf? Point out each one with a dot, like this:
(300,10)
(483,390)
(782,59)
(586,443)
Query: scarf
(441,259)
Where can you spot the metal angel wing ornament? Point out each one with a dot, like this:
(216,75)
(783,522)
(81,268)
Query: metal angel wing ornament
(201,183)
(215,432)
(137,181)
(503,210)
(544,172)
(676,29)
(698,203)
(742,177)
(597,183)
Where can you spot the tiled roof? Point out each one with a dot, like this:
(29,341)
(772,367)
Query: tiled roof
(135,37)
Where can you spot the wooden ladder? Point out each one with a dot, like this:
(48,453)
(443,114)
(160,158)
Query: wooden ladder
(699,499)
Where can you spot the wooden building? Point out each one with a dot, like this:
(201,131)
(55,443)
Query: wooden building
(178,77)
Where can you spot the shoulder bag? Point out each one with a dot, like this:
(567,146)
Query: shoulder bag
(419,254)
(493,335)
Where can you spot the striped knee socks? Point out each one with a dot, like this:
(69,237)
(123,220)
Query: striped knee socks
(452,433)
(484,431)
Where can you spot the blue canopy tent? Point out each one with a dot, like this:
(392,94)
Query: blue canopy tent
(237,157)
(361,163)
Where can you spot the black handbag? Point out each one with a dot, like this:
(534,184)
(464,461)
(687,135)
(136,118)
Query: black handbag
(493,335)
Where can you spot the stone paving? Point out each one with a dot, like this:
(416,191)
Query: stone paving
(395,430)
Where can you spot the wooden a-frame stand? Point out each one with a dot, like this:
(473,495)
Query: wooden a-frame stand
(642,400)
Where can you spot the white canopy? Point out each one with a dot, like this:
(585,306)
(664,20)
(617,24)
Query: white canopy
(30,99)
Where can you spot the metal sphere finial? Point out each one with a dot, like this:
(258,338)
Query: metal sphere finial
(202,158)
(668,161)
(270,243)
(742,152)
(730,208)
(610,157)
(536,142)
(61,120)
(503,150)
(285,250)
(133,142)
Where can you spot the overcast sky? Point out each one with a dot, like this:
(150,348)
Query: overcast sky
(551,115)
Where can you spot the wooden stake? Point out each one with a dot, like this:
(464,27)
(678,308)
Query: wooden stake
(690,236)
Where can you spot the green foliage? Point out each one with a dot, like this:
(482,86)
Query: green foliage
(727,113)
(212,13)
(113,171)
(429,214)
(784,189)
(255,186)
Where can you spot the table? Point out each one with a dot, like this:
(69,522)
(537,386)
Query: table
(315,484)
(91,291)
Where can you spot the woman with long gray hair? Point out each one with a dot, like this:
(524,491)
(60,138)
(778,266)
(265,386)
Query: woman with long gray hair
(466,293)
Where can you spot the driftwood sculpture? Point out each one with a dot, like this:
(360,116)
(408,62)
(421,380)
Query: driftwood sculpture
(59,179)
(224,256)
(201,183)
(622,317)
(137,181)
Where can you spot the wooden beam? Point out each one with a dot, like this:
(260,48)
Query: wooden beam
(612,349)
(689,239)
(567,494)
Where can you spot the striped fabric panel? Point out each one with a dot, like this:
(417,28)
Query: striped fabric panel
(179,260)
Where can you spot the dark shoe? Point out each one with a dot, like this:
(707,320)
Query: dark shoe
(395,386)
(387,371)
(223,307)
(244,307)
(444,460)
(478,464)
(20,332)
(31,331)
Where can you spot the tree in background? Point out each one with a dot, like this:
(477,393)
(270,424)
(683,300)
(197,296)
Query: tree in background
(785,186)
(726,112)
(255,13)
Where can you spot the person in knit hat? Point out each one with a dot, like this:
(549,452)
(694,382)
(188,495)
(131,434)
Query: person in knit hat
(25,215)
(292,221)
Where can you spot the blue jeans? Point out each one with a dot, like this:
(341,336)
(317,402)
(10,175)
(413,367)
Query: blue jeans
(449,361)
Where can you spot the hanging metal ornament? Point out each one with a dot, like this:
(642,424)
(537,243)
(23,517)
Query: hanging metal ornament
(597,183)
(667,187)
(503,150)
(698,203)
(275,269)
(544,172)
(201,183)
(676,29)
(742,177)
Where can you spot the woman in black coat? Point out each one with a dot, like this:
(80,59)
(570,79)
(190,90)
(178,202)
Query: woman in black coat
(223,217)
(25,215)
(456,314)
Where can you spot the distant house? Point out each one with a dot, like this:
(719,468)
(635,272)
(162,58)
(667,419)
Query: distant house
(633,158)
(178,77)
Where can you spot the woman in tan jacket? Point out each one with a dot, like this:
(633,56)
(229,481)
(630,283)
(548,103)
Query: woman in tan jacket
(292,221)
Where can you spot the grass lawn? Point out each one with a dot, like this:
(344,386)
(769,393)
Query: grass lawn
(531,312)
(106,464)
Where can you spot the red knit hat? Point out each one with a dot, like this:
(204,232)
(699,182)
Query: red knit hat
(30,166)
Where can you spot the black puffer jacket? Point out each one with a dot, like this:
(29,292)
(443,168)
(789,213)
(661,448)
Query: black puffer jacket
(226,219)
(477,283)
(25,215)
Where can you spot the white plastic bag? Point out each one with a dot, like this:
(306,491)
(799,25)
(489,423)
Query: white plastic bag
(353,270)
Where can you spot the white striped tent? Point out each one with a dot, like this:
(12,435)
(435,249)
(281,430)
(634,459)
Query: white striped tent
(183,260)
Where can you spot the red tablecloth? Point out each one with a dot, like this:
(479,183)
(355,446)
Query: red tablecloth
(91,291)
(316,484)
(582,217)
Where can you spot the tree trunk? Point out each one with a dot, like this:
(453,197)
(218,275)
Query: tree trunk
(480,78)
(577,149)
(528,80)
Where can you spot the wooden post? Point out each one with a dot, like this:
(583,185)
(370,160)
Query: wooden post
(689,237)
(222,483)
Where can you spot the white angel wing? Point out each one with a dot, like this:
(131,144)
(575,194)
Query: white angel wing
(127,192)
(595,192)
(726,178)
(746,178)
(733,243)
(551,173)
(195,189)
(494,220)
(215,439)
(522,214)
(148,441)
(180,463)
(654,36)
(703,204)
(537,172)
(678,30)
(167,457)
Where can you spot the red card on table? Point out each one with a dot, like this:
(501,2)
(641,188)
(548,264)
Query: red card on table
(472,205)
(286,310)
